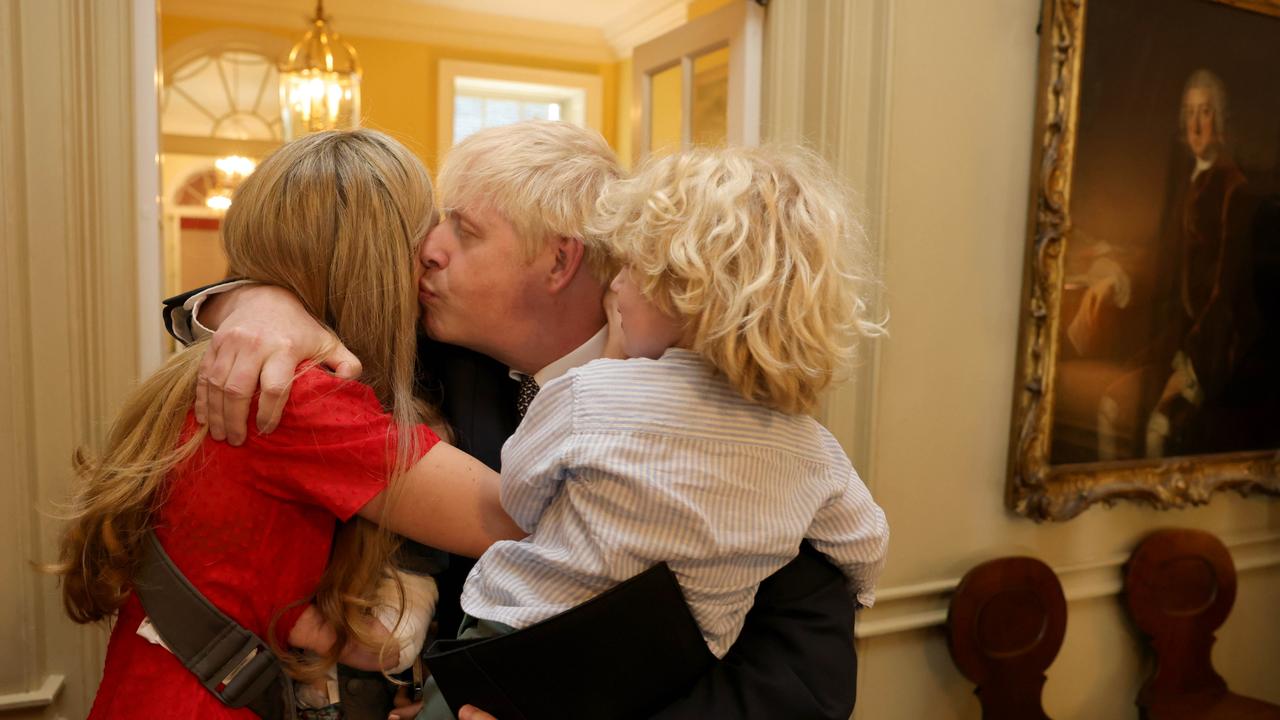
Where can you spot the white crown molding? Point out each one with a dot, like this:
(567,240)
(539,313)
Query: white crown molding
(923,605)
(415,22)
(644,23)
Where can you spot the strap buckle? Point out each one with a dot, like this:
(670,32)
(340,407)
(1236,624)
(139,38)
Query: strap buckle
(242,669)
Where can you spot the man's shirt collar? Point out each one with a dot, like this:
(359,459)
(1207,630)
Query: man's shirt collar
(592,349)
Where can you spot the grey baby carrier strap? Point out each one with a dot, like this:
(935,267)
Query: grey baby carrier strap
(228,659)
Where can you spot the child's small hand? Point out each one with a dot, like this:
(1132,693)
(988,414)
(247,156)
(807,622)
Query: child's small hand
(613,340)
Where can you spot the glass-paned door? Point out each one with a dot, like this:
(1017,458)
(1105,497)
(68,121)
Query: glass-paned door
(700,83)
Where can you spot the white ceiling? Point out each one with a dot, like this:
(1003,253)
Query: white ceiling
(600,14)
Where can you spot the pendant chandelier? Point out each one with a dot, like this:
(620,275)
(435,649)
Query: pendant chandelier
(320,82)
(230,171)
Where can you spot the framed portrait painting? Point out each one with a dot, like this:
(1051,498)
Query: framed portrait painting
(1149,350)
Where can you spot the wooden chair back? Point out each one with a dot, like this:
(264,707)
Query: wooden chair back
(1005,626)
(1179,588)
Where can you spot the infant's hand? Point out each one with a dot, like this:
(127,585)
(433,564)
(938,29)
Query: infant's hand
(613,341)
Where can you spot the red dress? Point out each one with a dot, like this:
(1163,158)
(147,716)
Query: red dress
(251,527)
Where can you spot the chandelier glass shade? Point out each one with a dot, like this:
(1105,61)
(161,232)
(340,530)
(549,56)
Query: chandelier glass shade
(320,82)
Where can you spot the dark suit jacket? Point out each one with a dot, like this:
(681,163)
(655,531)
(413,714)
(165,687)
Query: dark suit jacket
(795,657)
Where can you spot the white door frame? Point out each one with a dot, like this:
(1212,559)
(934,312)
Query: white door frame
(79,316)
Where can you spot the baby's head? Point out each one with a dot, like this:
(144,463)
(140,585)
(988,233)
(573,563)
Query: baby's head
(750,257)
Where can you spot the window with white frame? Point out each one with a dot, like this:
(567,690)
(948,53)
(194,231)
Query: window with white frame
(475,96)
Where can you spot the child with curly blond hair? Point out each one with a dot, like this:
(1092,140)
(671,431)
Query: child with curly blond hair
(741,296)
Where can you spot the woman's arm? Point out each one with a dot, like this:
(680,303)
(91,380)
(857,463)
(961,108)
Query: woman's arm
(448,500)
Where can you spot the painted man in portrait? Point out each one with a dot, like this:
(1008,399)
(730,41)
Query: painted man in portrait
(1198,282)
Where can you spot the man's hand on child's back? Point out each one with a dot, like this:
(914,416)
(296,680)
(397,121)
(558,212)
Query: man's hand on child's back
(262,336)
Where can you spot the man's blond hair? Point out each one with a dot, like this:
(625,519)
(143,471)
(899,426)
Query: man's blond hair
(758,252)
(544,177)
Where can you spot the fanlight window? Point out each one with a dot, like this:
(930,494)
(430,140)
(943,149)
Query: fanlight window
(232,94)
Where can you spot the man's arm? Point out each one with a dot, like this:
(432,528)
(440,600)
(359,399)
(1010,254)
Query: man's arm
(261,335)
(180,311)
(795,657)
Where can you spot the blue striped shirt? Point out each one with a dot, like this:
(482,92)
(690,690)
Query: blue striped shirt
(620,464)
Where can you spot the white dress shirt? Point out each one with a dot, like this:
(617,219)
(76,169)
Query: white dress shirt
(590,350)
(186,321)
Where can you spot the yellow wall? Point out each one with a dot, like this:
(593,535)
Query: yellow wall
(624,108)
(666,90)
(666,97)
(698,8)
(399,89)
(887,89)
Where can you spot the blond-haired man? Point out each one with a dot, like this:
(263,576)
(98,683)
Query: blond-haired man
(512,296)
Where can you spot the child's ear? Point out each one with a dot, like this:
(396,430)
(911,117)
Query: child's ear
(569,252)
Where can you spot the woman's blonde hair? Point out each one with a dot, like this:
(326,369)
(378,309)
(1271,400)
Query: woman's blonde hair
(542,176)
(336,219)
(758,253)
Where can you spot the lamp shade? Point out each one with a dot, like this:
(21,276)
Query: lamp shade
(320,82)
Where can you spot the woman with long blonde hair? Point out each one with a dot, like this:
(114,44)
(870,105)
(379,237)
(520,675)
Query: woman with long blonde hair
(293,517)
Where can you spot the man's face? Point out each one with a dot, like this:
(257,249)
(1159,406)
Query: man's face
(646,330)
(476,281)
(1197,111)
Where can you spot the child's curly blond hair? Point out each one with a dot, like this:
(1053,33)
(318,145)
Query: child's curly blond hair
(758,252)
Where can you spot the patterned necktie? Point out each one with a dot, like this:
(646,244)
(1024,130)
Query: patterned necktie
(528,390)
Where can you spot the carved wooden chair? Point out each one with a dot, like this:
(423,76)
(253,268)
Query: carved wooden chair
(1005,627)
(1179,587)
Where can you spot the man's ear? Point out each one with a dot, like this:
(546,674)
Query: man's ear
(569,252)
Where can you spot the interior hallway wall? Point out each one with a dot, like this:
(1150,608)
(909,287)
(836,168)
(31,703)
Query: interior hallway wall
(74,76)
(927,107)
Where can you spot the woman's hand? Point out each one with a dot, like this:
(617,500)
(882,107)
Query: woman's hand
(262,334)
(311,632)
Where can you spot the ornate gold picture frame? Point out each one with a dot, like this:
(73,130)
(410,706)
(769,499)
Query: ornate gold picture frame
(1148,367)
